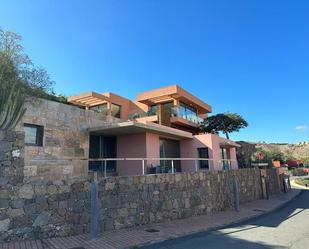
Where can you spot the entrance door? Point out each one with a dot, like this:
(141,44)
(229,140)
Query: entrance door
(170,149)
(102,147)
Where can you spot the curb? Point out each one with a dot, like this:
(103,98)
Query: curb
(293,183)
(227,225)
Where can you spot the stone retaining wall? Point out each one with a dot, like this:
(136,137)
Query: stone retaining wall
(37,209)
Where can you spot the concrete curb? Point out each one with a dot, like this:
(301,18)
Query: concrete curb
(222,226)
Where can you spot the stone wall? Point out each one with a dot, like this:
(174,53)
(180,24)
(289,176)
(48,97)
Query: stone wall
(40,209)
(11,157)
(65,139)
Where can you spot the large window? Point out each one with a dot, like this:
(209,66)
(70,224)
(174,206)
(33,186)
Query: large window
(102,108)
(34,134)
(116,110)
(102,147)
(170,149)
(203,153)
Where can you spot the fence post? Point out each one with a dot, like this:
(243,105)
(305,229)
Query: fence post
(94,211)
(143,165)
(173,166)
(196,165)
(235,194)
(105,168)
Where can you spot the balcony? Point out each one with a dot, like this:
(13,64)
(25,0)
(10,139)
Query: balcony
(178,116)
(150,116)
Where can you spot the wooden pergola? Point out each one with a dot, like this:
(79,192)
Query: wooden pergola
(90,99)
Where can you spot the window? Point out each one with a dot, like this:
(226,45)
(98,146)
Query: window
(225,156)
(170,149)
(188,112)
(102,108)
(153,110)
(33,134)
(102,147)
(116,110)
(203,153)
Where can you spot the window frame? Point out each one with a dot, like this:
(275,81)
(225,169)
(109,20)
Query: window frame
(203,164)
(39,136)
(113,104)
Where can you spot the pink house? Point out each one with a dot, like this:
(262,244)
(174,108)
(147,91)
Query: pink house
(158,132)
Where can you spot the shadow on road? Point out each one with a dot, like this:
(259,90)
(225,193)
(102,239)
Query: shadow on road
(300,204)
(222,239)
(209,240)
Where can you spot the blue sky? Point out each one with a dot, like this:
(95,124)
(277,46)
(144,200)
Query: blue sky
(249,57)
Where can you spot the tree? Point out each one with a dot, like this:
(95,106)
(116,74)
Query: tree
(32,79)
(224,122)
(12,97)
(19,78)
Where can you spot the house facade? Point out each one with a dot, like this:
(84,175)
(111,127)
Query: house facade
(158,132)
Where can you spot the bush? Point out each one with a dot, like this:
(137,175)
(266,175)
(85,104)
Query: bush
(299,172)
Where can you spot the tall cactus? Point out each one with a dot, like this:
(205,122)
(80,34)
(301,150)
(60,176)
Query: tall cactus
(11,106)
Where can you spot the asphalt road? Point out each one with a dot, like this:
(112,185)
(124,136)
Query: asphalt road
(284,228)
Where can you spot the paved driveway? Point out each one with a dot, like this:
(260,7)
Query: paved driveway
(286,228)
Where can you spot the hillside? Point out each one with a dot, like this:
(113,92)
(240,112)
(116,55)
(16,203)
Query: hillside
(284,151)
(290,151)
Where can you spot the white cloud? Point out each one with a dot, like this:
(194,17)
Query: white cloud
(302,128)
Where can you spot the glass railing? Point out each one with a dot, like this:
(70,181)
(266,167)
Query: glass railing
(178,112)
(142,115)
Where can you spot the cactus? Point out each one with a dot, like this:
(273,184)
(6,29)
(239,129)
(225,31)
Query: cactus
(11,106)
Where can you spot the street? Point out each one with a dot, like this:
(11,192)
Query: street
(284,228)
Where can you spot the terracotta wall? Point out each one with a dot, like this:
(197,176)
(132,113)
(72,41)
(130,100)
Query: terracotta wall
(141,145)
(153,148)
(188,149)
(131,146)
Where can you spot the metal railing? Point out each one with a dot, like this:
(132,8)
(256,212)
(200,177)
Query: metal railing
(170,163)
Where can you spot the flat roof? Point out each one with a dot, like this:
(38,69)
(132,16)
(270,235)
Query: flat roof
(169,93)
(131,127)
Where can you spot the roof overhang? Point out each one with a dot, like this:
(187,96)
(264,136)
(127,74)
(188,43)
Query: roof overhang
(132,127)
(170,93)
(89,99)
